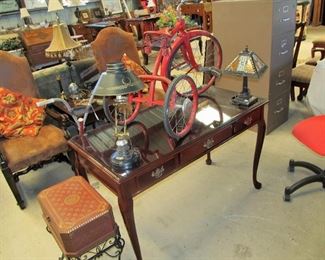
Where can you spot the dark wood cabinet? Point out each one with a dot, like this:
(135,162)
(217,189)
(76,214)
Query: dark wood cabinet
(35,42)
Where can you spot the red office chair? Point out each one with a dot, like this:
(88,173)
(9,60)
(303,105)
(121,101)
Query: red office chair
(311,132)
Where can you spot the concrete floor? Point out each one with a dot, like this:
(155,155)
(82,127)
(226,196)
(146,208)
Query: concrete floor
(202,212)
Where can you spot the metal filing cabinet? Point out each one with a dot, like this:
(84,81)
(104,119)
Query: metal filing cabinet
(267,27)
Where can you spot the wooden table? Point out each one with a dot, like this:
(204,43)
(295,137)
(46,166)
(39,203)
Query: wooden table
(145,23)
(203,10)
(161,155)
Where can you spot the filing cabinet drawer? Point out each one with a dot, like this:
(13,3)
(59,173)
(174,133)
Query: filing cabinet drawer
(284,16)
(280,80)
(282,49)
(201,147)
(277,111)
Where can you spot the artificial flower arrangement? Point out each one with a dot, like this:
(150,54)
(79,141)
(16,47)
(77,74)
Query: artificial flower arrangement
(168,18)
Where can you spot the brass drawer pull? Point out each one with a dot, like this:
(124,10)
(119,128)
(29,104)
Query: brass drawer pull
(209,143)
(248,120)
(157,173)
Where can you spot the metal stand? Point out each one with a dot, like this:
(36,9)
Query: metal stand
(112,247)
(244,98)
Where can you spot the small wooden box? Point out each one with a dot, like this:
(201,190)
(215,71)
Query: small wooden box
(78,217)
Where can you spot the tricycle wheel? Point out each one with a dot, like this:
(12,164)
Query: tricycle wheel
(132,108)
(180,109)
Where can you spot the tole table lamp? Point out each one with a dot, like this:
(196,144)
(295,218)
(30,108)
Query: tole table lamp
(118,82)
(246,64)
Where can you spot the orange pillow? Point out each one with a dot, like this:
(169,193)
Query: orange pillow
(133,66)
(19,115)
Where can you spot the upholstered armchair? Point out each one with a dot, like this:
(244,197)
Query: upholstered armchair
(20,155)
(110,45)
(301,74)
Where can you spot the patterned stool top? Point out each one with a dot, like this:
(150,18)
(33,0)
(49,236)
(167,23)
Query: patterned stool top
(72,203)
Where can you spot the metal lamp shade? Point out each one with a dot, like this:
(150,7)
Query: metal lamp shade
(116,81)
(61,42)
(248,64)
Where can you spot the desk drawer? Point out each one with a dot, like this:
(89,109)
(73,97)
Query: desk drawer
(200,148)
(157,173)
(247,121)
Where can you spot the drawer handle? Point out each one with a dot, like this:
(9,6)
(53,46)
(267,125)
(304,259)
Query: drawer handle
(286,19)
(284,52)
(281,82)
(278,111)
(209,143)
(248,120)
(157,173)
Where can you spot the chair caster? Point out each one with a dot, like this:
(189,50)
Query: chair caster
(286,196)
(291,167)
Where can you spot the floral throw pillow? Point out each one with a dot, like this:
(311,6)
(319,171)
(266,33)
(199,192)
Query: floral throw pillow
(19,115)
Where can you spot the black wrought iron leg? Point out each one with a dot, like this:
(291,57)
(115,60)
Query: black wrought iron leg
(14,189)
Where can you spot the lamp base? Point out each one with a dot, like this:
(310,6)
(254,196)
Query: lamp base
(125,157)
(243,100)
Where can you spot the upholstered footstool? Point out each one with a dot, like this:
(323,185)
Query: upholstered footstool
(80,220)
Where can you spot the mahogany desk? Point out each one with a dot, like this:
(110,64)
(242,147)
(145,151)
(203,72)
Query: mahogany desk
(162,156)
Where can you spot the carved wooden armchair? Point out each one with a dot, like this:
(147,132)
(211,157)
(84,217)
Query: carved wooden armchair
(20,155)
(110,45)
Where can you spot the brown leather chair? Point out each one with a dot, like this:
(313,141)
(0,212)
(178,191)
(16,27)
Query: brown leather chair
(301,74)
(110,45)
(318,46)
(20,155)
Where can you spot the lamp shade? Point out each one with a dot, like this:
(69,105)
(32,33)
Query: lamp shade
(247,64)
(54,5)
(117,80)
(61,42)
(24,13)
